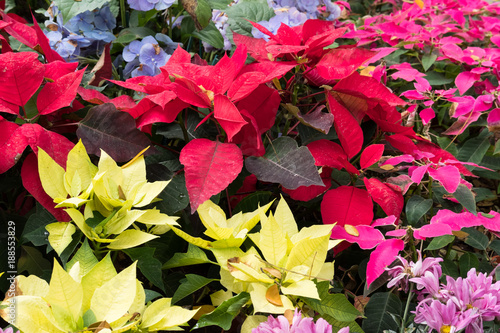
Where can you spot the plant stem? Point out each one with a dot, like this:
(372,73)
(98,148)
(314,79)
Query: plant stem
(123,13)
(410,296)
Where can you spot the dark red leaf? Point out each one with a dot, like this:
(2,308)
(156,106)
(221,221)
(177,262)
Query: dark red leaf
(103,70)
(104,127)
(11,144)
(162,115)
(23,33)
(327,153)
(347,205)
(209,167)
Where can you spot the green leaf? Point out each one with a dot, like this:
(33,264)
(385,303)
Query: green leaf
(174,196)
(211,35)
(450,268)
(446,144)
(130,34)
(495,246)
(334,305)
(33,262)
(416,207)
(428,60)
(440,242)
(193,256)
(436,79)
(497,148)
(467,261)
(140,18)
(34,230)
(483,193)
(474,149)
(476,239)
(71,8)
(203,13)
(85,256)
(255,11)
(219,4)
(224,314)
(466,198)
(150,266)
(379,313)
(285,163)
(189,285)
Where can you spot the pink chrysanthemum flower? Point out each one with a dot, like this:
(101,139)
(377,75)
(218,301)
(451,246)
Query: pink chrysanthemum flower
(298,324)
(8,330)
(401,274)
(443,317)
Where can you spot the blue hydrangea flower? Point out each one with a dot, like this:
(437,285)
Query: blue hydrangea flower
(309,6)
(104,20)
(145,57)
(81,22)
(146,5)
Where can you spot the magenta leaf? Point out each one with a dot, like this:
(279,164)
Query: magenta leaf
(381,257)
(347,205)
(209,167)
(366,236)
(448,176)
(371,155)
(465,80)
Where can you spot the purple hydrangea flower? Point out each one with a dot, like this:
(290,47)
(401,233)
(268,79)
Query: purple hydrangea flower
(281,324)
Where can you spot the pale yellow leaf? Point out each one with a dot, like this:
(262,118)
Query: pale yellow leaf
(305,288)
(101,273)
(51,176)
(134,173)
(79,220)
(174,317)
(193,240)
(148,192)
(138,305)
(32,285)
(130,238)
(33,314)
(60,235)
(65,292)
(310,253)
(70,202)
(79,163)
(220,296)
(112,300)
(154,216)
(252,322)
(314,231)
(285,219)
(214,219)
(122,220)
(246,273)
(261,304)
(272,242)
(155,312)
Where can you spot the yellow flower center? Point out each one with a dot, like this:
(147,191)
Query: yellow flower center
(445,329)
